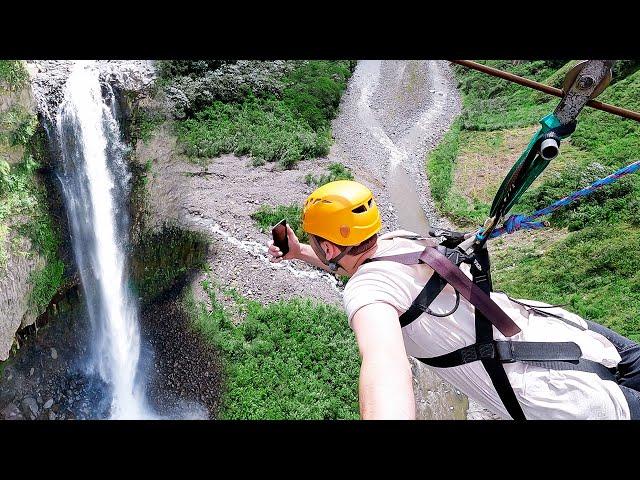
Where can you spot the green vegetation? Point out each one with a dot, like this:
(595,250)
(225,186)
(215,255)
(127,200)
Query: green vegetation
(594,268)
(23,209)
(13,75)
(266,129)
(440,167)
(161,260)
(596,271)
(288,360)
(337,171)
(268,216)
(17,127)
(285,129)
(314,89)
(144,123)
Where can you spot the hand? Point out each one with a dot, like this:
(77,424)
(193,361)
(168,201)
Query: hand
(294,248)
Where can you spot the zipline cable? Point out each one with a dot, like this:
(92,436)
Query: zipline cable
(605,107)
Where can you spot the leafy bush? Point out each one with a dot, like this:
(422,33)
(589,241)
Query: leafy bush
(17,126)
(337,171)
(268,216)
(263,128)
(288,360)
(314,90)
(13,74)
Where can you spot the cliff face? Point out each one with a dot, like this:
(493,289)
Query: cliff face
(22,206)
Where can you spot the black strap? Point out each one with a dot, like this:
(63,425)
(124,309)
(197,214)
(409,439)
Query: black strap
(490,350)
(480,272)
(582,365)
(421,303)
(509,352)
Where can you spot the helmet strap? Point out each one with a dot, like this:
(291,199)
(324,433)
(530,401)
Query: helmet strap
(333,263)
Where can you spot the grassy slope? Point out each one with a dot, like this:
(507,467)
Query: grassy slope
(594,268)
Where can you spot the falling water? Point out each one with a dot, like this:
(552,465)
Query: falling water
(95,183)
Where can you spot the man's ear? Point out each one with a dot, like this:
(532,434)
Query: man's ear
(329,249)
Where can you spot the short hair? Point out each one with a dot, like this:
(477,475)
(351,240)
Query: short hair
(355,249)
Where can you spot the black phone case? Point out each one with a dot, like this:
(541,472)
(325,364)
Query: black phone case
(282,244)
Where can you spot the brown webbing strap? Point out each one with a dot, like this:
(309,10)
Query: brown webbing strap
(480,300)
(460,282)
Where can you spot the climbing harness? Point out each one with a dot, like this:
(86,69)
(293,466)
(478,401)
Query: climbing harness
(585,81)
(445,263)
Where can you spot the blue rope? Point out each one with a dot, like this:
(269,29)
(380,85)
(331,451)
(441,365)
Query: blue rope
(522,222)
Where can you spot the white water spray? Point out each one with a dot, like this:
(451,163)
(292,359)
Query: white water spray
(95,184)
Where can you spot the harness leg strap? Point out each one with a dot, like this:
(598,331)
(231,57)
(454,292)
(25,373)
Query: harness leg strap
(484,334)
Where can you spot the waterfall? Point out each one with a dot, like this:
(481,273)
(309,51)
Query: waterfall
(95,183)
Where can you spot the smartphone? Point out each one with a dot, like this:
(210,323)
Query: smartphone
(279,233)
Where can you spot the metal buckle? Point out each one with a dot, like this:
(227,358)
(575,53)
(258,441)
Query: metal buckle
(505,352)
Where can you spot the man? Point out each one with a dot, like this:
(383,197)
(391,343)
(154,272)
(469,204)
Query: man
(342,221)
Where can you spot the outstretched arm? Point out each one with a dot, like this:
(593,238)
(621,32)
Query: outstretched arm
(299,251)
(386,389)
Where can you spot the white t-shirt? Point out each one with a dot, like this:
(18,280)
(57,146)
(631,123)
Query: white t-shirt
(541,392)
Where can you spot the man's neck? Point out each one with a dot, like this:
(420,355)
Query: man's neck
(354,262)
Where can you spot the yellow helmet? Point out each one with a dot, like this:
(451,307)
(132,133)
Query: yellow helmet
(343,212)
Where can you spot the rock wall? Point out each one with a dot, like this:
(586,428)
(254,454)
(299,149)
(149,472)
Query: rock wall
(20,260)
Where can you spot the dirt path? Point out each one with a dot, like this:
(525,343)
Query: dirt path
(392,114)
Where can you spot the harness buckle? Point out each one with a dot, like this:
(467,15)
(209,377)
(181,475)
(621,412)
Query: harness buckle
(505,352)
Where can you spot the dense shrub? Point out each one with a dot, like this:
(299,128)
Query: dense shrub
(265,129)
(278,126)
(288,360)
(13,74)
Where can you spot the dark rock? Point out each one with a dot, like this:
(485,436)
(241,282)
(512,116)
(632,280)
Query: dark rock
(11,412)
(29,407)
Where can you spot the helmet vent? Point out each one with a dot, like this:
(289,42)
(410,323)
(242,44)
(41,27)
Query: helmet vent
(359,209)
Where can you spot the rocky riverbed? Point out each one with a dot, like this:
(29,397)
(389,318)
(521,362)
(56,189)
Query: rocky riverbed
(48,378)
